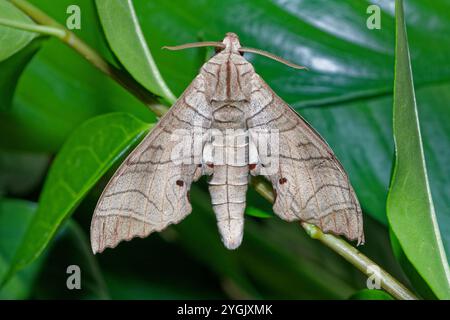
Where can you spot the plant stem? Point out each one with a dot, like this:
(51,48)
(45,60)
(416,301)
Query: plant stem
(50,27)
(343,248)
(360,261)
(50,31)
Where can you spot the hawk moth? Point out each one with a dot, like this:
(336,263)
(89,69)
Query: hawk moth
(150,189)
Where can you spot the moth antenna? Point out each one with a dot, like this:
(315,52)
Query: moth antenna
(196,45)
(272,56)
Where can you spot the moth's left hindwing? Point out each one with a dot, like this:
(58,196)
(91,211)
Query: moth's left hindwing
(309,182)
(149,191)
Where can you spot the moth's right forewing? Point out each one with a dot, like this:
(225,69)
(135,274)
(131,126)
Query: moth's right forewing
(150,189)
(310,183)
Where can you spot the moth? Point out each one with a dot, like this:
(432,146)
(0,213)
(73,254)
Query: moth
(227,112)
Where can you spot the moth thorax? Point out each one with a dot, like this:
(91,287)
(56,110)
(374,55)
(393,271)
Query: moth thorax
(229,114)
(228,86)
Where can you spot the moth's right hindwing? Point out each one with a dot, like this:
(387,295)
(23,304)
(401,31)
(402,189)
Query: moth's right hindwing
(149,191)
(309,182)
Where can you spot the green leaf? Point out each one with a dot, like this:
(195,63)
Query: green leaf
(59,89)
(15,216)
(418,283)
(346,60)
(373,294)
(410,206)
(11,70)
(89,152)
(256,212)
(124,34)
(16,39)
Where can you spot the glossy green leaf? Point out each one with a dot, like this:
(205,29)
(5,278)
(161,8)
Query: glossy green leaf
(373,294)
(124,34)
(15,216)
(346,60)
(59,89)
(410,206)
(10,71)
(89,152)
(16,39)
(417,282)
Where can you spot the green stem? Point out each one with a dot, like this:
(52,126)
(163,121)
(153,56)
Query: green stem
(50,31)
(70,39)
(360,261)
(343,248)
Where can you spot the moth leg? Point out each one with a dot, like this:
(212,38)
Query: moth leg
(208,159)
(198,172)
(254,163)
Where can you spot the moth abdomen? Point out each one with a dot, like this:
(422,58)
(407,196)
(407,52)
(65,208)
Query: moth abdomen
(228,188)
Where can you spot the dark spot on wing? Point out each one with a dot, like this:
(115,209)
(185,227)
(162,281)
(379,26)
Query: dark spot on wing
(180,183)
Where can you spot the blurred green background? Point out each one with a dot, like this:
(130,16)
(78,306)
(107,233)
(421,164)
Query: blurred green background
(346,95)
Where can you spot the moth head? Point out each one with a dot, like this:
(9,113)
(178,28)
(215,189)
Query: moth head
(231,44)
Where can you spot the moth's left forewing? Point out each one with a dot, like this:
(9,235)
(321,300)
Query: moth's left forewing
(310,183)
(150,189)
